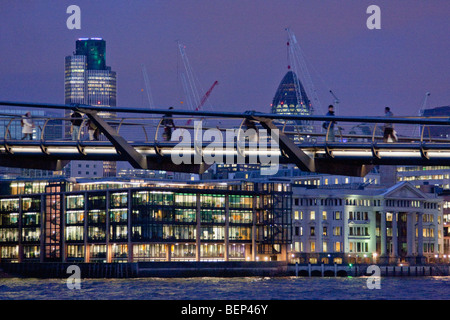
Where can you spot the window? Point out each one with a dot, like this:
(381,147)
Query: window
(337,215)
(312,215)
(337,231)
(313,246)
(337,247)
(324,215)
(119,199)
(313,231)
(325,231)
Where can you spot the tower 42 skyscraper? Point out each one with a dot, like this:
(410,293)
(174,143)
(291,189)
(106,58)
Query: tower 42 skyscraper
(88,80)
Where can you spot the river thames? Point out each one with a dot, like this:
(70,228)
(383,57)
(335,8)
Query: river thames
(251,288)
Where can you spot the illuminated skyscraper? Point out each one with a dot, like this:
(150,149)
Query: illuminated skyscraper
(88,80)
(291,97)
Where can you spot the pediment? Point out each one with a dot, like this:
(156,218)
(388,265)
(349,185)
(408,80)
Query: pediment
(404,190)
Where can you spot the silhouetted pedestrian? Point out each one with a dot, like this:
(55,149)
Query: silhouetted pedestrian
(389,127)
(27,126)
(168,124)
(92,130)
(329,125)
(76,120)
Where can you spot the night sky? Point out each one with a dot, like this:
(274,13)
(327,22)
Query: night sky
(240,43)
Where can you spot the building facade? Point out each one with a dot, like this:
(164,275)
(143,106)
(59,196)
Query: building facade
(446,218)
(114,221)
(290,97)
(400,224)
(438,176)
(88,80)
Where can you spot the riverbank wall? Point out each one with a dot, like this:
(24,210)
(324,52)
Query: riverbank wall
(214,269)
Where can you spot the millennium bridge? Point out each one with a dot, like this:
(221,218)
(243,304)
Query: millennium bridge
(352,147)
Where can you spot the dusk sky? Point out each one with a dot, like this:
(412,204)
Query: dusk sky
(242,45)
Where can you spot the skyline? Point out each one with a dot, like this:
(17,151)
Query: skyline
(241,46)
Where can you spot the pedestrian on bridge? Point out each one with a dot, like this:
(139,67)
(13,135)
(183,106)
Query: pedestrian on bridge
(329,125)
(168,124)
(76,120)
(389,133)
(27,126)
(92,130)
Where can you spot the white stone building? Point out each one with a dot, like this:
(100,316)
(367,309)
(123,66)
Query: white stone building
(357,225)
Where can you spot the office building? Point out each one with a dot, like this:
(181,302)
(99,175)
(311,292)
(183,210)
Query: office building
(88,80)
(438,176)
(135,220)
(290,97)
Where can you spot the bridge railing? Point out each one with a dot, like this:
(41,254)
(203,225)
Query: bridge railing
(153,130)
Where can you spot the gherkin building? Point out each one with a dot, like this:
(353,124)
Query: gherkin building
(291,99)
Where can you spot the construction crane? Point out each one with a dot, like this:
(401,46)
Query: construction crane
(147,88)
(205,97)
(336,101)
(298,63)
(191,85)
(421,111)
(189,82)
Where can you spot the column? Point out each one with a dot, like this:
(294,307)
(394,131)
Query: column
(85,226)
(129,228)
(410,231)
(383,234)
(42,220)
(420,256)
(63,217)
(198,231)
(319,230)
(394,256)
(227,226)
(254,229)
(20,252)
(108,228)
(168,252)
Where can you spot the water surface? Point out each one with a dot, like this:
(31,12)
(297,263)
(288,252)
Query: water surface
(251,288)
